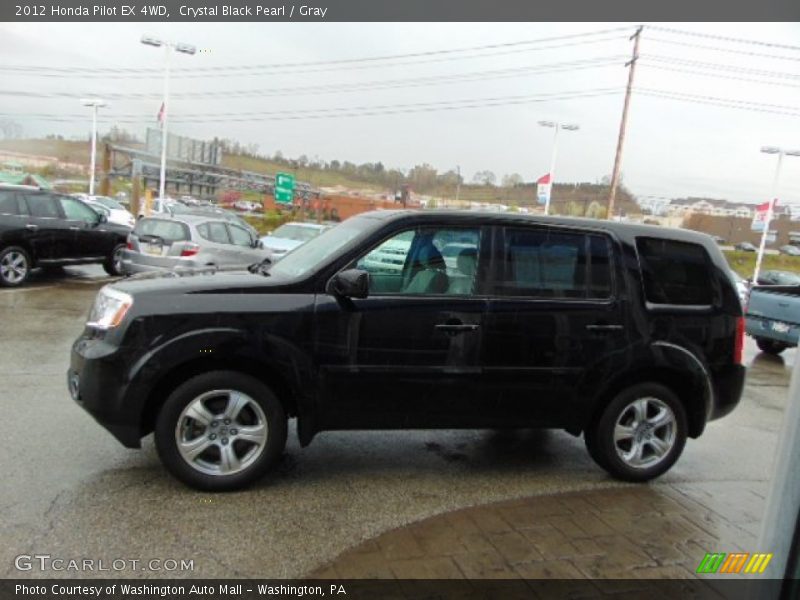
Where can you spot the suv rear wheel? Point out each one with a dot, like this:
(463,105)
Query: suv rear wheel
(113,265)
(640,434)
(15,266)
(220,431)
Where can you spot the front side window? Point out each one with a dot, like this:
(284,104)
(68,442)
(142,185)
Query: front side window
(677,273)
(548,263)
(424,261)
(75,210)
(240,236)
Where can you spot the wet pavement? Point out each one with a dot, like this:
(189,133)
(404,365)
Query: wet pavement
(71,491)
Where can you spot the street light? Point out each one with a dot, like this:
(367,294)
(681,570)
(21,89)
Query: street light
(95,103)
(168,46)
(556,127)
(781,152)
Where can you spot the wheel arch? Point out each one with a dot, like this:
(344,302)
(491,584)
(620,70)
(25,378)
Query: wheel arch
(674,367)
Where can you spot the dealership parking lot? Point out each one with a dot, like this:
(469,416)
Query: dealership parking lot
(78,494)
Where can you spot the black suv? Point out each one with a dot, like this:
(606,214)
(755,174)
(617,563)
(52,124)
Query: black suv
(631,335)
(43,229)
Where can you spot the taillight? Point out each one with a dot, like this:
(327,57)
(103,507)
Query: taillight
(190,250)
(738,344)
(129,243)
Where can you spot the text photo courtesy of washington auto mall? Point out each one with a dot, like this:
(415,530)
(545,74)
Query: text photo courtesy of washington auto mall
(400,300)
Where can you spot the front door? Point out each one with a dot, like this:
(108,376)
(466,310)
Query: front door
(409,354)
(90,240)
(554,318)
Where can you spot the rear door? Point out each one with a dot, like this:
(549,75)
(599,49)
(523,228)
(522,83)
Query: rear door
(13,220)
(51,238)
(217,245)
(552,318)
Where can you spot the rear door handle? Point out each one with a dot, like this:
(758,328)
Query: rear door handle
(75,228)
(31,227)
(454,328)
(599,327)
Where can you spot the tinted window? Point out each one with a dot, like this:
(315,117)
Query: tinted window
(169,231)
(75,210)
(10,203)
(42,205)
(675,272)
(548,263)
(214,231)
(240,236)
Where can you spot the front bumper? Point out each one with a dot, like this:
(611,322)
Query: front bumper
(96,382)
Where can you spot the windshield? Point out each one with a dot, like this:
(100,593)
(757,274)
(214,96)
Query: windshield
(109,203)
(297,232)
(304,258)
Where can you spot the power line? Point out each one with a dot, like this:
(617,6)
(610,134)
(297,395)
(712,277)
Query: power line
(721,66)
(349,111)
(792,111)
(232,70)
(344,87)
(720,49)
(716,76)
(723,38)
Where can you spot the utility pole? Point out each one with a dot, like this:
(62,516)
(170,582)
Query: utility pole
(618,157)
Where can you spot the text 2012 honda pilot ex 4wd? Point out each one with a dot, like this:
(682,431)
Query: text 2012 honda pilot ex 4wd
(631,335)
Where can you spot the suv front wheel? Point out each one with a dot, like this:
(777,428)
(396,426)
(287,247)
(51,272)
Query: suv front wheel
(220,431)
(640,433)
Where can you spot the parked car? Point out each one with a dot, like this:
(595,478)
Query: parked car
(745,247)
(773,317)
(789,250)
(289,236)
(246,205)
(584,325)
(208,210)
(188,241)
(778,278)
(114,211)
(43,229)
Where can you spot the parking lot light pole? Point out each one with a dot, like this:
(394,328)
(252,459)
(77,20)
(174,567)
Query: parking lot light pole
(168,47)
(781,152)
(557,127)
(95,103)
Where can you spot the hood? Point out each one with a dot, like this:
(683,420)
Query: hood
(198,281)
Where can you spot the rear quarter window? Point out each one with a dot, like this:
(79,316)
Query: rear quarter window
(169,231)
(676,273)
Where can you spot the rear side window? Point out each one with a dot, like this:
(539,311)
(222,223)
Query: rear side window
(240,236)
(42,205)
(11,203)
(677,273)
(169,231)
(543,263)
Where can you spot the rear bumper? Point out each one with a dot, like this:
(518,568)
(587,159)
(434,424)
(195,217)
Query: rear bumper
(759,327)
(729,385)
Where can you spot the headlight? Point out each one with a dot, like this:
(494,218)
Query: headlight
(109,308)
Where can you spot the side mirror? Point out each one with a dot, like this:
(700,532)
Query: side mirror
(258,244)
(351,283)
(101,218)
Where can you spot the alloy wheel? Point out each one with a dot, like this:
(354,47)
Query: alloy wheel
(221,432)
(13,267)
(645,432)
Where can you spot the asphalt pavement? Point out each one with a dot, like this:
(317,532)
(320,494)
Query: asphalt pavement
(72,492)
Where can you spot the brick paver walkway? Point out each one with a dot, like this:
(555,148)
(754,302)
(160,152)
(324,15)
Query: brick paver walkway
(657,531)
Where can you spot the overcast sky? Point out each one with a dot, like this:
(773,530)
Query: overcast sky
(673,148)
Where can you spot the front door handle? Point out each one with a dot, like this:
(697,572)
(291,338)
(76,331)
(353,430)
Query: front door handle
(455,328)
(31,227)
(75,228)
(602,327)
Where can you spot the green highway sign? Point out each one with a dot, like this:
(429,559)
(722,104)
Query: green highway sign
(284,188)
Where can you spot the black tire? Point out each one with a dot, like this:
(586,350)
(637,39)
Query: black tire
(600,435)
(770,346)
(172,423)
(113,265)
(15,266)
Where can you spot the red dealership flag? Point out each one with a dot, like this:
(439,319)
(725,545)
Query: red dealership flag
(544,178)
(762,214)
